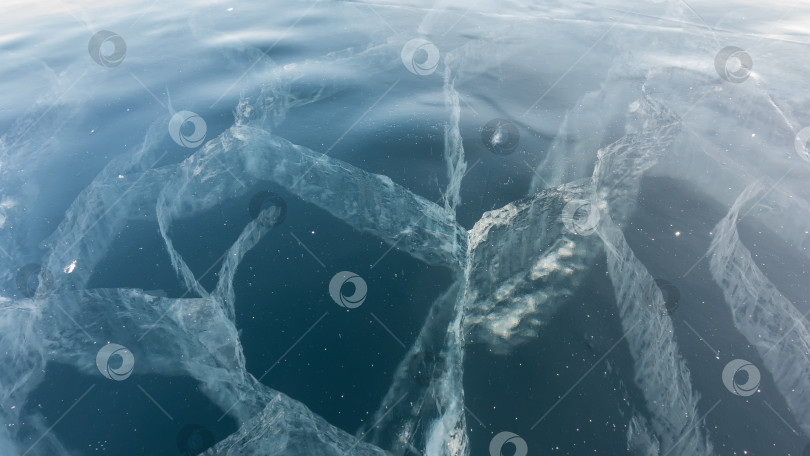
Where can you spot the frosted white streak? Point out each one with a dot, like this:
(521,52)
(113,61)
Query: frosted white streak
(761,313)
(640,440)
(453,145)
(430,378)
(660,372)
(524,266)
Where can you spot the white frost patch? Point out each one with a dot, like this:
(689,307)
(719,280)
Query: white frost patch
(69,268)
(5,204)
(385,180)
(504,321)
(554,262)
(503,216)
(504,325)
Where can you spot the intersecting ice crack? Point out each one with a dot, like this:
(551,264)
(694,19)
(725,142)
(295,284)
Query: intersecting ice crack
(512,271)
(200,331)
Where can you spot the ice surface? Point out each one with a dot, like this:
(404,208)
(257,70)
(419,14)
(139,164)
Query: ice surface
(513,269)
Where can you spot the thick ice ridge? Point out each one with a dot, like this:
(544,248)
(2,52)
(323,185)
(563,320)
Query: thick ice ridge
(453,145)
(761,313)
(660,373)
(201,328)
(524,265)
(427,384)
(285,427)
(640,440)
